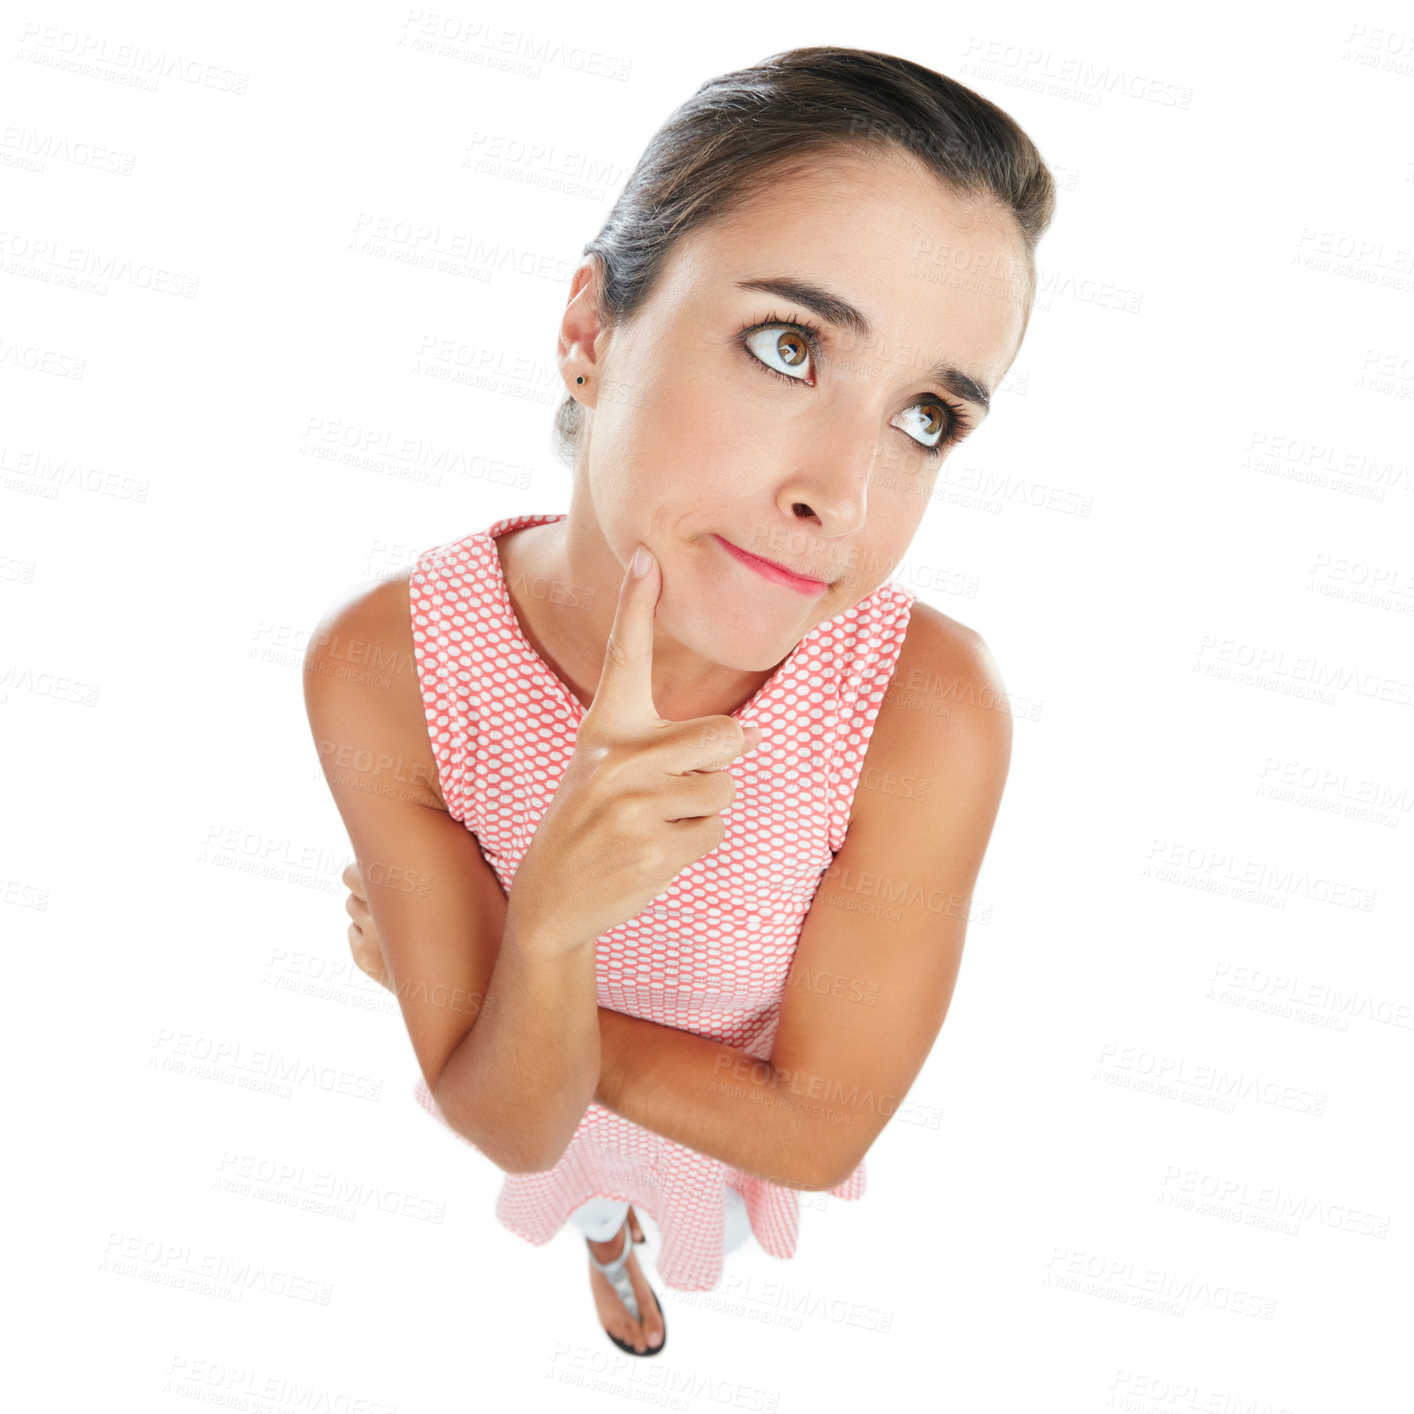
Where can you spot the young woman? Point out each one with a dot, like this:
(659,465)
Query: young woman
(670,871)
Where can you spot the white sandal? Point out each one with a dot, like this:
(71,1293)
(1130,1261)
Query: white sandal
(617,1273)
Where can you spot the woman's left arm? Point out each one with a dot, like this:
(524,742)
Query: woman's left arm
(878,956)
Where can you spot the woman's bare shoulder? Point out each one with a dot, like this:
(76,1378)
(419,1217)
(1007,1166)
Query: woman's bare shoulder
(945,694)
(361,664)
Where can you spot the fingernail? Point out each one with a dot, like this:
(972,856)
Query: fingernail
(641,562)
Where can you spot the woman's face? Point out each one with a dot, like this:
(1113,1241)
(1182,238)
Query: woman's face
(720,415)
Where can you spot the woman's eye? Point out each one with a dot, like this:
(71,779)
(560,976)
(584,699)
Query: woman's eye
(785,351)
(787,345)
(918,419)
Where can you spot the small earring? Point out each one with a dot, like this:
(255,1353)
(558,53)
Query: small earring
(580,379)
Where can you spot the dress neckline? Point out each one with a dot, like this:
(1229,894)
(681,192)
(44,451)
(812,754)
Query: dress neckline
(547,674)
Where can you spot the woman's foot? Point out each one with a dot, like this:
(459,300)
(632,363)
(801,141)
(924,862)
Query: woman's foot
(614,1316)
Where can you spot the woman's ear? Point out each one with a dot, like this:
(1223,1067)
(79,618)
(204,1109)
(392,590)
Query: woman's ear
(579,341)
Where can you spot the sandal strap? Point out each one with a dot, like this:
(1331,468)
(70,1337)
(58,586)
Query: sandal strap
(617,1273)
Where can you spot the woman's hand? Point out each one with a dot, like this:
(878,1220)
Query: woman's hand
(639,801)
(363,932)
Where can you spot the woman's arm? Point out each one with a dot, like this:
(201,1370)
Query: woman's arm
(879,952)
(868,991)
(681,1086)
(501,1020)
(711,1097)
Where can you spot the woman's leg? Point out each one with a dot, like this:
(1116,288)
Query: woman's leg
(603,1221)
(600,1218)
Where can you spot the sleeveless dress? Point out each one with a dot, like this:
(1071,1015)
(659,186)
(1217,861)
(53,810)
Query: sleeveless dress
(710,954)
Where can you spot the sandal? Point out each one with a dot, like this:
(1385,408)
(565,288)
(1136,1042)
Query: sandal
(622,1283)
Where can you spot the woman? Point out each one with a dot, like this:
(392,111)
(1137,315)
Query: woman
(652,942)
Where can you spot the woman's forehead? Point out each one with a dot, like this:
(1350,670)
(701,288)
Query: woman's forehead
(851,184)
(855,214)
(909,257)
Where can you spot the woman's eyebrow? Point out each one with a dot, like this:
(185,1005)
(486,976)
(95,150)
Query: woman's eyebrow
(835,309)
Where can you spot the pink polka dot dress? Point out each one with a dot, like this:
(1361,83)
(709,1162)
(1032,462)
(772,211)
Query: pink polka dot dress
(709,955)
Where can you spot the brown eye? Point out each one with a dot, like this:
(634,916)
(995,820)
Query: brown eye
(926,423)
(781,350)
(792,348)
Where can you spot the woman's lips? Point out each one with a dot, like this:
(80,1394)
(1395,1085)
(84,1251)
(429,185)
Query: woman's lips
(767,570)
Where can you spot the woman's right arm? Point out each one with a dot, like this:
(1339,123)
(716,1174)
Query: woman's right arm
(503,1019)
(515,1062)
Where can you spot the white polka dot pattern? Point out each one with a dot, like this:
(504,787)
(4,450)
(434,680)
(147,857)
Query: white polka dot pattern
(709,955)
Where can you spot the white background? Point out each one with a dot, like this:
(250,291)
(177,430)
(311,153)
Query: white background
(1184,533)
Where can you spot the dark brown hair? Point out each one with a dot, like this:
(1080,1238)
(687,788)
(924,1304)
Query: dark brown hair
(741,130)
